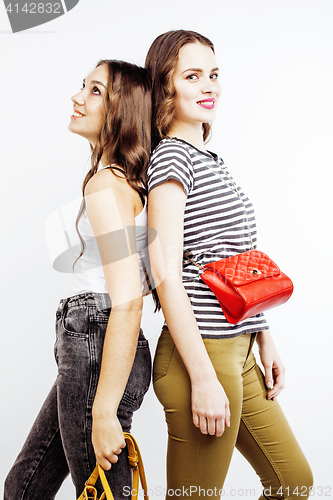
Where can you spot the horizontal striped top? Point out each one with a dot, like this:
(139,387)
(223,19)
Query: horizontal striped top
(215,226)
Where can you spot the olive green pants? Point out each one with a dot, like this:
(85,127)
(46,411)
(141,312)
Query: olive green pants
(197,464)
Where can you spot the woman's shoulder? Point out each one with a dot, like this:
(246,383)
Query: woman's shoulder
(172,145)
(110,184)
(105,178)
(171,159)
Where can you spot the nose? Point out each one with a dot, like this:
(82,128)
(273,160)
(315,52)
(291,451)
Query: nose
(209,86)
(78,98)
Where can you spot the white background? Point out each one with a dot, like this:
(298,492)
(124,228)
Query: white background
(274,132)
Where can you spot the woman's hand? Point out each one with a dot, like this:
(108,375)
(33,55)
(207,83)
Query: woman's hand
(273,366)
(107,439)
(210,407)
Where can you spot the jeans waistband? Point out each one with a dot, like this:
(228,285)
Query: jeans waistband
(101,300)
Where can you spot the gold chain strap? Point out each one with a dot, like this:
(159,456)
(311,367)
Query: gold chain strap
(239,196)
(187,257)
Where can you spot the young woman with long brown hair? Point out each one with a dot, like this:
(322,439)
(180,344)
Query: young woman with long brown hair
(215,396)
(103,359)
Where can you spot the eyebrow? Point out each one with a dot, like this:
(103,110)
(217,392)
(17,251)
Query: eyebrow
(199,70)
(95,82)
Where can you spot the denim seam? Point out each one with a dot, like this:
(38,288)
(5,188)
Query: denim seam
(142,344)
(29,479)
(93,362)
(89,401)
(88,471)
(132,401)
(262,448)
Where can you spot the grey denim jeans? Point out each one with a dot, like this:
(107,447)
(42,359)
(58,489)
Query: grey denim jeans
(59,442)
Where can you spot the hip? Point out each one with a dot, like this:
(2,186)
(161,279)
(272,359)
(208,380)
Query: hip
(81,324)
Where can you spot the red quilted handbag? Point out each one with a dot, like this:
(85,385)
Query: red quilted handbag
(247,284)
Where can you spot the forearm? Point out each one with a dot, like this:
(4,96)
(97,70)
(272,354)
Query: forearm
(273,366)
(118,355)
(264,338)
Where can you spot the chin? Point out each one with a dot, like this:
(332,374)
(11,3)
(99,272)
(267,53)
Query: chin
(73,129)
(70,127)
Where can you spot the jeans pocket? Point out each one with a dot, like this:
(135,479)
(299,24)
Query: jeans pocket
(164,350)
(75,321)
(140,376)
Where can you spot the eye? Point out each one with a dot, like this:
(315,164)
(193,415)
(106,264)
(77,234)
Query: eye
(214,76)
(192,78)
(83,86)
(96,91)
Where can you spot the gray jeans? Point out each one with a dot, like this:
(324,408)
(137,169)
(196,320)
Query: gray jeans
(59,442)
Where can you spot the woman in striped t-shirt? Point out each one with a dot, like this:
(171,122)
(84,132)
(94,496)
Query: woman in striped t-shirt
(214,395)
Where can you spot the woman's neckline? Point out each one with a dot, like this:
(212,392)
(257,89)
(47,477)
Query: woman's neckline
(211,154)
(112,165)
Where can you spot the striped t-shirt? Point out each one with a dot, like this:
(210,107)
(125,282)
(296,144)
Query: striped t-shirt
(215,226)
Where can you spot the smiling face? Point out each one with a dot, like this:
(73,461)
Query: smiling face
(88,115)
(197,87)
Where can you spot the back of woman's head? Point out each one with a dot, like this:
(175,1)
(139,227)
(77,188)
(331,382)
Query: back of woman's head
(125,135)
(161,62)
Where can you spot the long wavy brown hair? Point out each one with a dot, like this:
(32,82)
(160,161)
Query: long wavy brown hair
(125,135)
(161,62)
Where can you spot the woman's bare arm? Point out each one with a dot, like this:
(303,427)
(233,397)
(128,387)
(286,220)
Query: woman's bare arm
(210,405)
(110,209)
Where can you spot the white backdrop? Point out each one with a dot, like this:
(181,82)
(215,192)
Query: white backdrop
(274,132)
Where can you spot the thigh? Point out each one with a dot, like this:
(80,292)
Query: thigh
(268,443)
(77,377)
(80,340)
(41,466)
(194,459)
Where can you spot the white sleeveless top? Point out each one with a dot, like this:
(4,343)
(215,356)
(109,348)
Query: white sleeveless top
(88,273)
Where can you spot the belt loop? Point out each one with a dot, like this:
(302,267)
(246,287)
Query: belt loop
(106,302)
(102,297)
(97,300)
(64,304)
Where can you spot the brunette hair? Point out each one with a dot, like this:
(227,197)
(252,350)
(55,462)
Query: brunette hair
(125,135)
(161,62)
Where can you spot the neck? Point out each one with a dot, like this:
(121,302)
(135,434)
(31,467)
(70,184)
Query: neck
(191,133)
(103,162)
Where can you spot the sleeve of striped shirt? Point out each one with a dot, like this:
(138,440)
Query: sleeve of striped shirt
(170,161)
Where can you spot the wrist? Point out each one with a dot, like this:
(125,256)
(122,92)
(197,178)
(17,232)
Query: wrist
(202,378)
(101,410)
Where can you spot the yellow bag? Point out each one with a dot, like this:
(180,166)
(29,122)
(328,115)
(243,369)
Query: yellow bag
(135,460)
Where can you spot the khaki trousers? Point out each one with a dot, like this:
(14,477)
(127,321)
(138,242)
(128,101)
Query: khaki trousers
(197,464)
